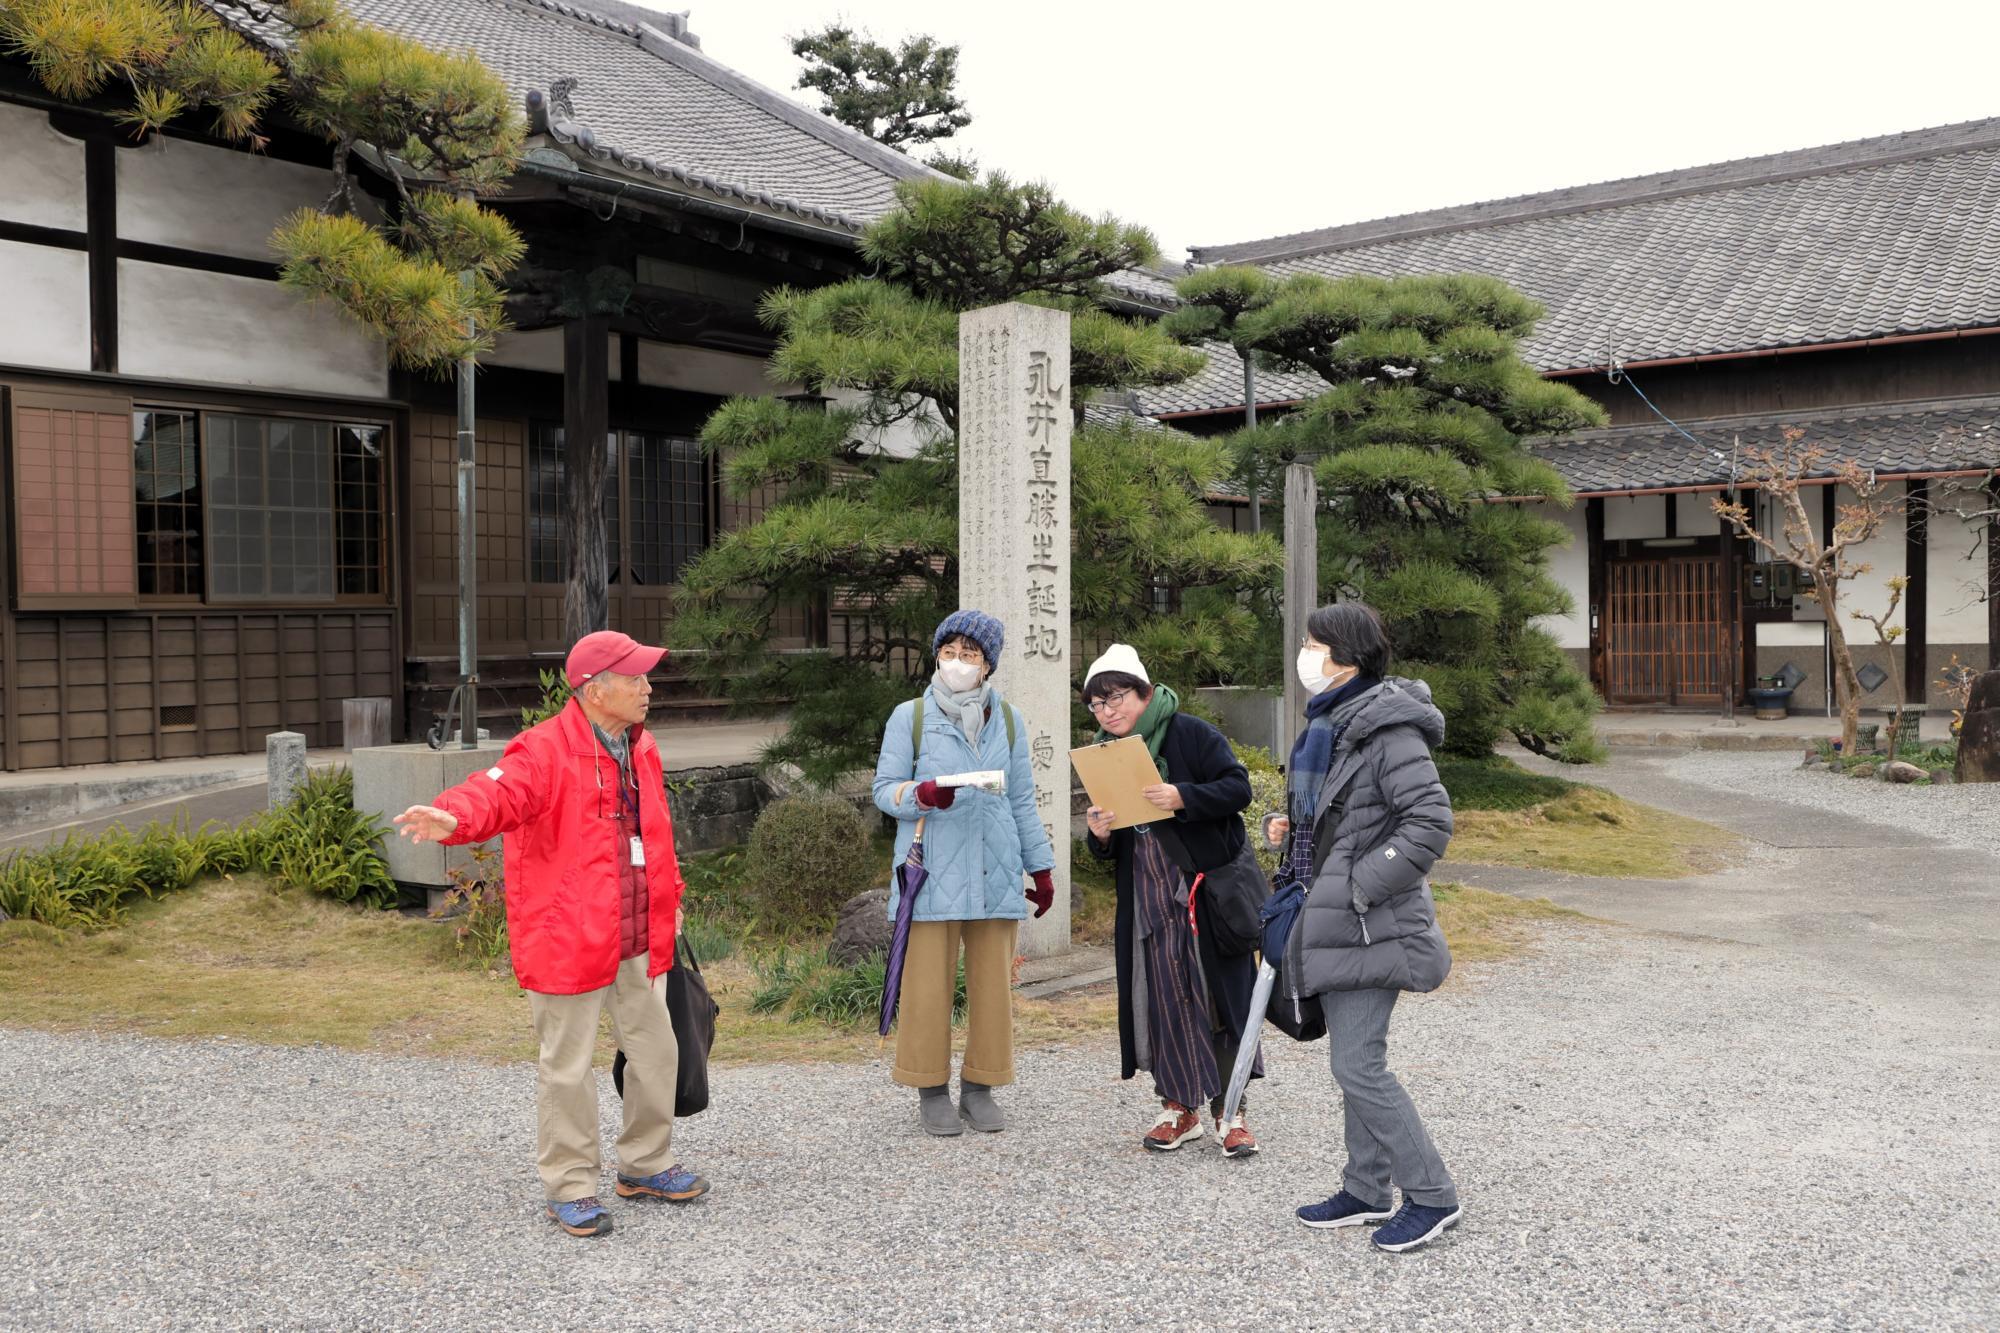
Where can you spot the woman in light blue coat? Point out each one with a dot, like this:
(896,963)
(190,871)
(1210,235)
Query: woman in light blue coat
(978,844)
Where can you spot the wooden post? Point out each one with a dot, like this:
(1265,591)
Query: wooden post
(586,422)
(1301,578)
(1916,594)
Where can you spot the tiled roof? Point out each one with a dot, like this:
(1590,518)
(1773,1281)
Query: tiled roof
(645,102)
(1892,235)
(1219,384)
(1941,435)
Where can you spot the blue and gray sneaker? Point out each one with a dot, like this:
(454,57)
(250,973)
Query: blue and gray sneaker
(676,1184)
(581,1217)
(1342,1210)
(1416,1224)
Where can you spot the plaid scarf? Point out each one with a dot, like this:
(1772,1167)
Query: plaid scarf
(1327,716)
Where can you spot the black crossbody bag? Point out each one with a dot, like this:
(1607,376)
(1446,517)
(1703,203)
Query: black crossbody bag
(1236,891)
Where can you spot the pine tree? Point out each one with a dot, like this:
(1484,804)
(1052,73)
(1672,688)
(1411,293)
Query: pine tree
(894,97)
(448,118)
(1422,427)
(883,531)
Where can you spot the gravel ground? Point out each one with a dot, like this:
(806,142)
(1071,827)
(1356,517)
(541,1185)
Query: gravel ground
(1649,1131)
(1967,816)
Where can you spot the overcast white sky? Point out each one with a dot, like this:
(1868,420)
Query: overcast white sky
(1221,122)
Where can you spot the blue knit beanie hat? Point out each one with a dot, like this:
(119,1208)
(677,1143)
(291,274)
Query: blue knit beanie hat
(977,626)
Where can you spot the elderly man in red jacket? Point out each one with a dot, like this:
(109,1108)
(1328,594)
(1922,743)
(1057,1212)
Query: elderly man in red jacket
(593,906)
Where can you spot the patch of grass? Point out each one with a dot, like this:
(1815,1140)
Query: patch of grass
(1493,783)
(1482,926)
(1589,831)
(242,959)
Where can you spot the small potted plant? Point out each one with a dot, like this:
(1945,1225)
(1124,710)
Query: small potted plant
(1771,697)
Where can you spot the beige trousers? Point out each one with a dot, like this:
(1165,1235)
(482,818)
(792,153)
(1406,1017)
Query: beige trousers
(923,1012)
(566,1145)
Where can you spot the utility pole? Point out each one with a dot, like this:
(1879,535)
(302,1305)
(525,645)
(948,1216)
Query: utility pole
(468,544)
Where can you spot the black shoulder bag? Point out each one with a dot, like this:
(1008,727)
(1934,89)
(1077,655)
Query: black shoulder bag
(693,1012)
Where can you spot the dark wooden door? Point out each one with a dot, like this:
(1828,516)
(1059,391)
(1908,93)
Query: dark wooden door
(1665,634)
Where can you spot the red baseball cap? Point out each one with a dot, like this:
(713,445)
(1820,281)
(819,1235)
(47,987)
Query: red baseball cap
(608,650)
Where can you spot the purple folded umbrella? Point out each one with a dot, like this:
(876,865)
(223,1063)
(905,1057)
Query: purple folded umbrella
(910,877)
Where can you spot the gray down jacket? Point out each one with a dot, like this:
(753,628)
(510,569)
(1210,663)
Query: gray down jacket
(1383,818)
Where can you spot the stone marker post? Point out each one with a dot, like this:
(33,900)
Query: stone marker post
(284,766)
(1014,414)
(1301,589)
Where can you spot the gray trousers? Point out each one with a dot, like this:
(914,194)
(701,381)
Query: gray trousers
(1386,1140)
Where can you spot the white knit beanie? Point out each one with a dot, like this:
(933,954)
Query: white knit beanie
(1118,657)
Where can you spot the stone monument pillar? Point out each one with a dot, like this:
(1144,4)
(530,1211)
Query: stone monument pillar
(1014,414)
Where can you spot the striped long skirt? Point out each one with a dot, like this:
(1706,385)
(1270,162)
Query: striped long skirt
(1179,1032)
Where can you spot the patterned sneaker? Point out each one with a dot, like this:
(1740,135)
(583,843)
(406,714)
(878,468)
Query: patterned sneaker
(1237,1140)
(676,1184)
(1176,1125)
(581,1217)
(1417,1224)
(1342,1210)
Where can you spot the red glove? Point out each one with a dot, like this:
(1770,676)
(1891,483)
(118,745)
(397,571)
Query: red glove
(1043,895)
(933,797)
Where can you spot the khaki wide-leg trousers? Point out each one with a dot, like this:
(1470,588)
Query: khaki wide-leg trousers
(923,1013)
(566,1144)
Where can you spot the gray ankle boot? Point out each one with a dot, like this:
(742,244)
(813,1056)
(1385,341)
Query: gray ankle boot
(939,1116)
(976,1104)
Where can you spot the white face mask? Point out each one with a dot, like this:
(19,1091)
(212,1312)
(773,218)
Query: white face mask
(1312,671)
(958,677)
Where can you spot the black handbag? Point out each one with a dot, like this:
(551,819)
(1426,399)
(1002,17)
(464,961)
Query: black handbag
(693,1012)
(1235,891)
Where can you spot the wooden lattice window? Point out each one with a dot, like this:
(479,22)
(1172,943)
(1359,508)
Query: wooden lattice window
(166,481)
(361,536)
(73,501)
(666,500)
(296,509)
(548,502)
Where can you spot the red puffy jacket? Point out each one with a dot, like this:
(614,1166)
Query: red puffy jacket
(554,793)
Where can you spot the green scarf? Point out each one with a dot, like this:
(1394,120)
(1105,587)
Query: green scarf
(1152,724)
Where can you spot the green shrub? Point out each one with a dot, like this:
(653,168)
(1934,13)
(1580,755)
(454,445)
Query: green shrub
(804,985)
(717,887)
(479,932)
(555,693)
(807,856)
(1493,783)
(1267,796)
(711,940)
(318,842)
(321,843)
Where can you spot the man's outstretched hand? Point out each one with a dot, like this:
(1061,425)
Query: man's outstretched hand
(425,823)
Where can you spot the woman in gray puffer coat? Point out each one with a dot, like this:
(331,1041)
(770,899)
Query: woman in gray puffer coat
(1367,817)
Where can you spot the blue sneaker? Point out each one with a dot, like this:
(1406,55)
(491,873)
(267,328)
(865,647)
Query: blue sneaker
(676,1184)
(1342,1210)
(1416,1224)
(581,1217)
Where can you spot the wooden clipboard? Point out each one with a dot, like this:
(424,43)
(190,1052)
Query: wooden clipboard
(1115,773)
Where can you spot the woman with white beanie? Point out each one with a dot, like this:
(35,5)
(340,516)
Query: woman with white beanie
(1182,1003)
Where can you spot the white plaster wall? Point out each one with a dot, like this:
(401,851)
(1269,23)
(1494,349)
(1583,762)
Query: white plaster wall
(898,439)
(1956,552)
(1570,565)
(216,200)
(702,370)
(1694,514)
(220,329)
(41,172)
(48,307)
(1631,517)
(1887,552)
(537,349)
